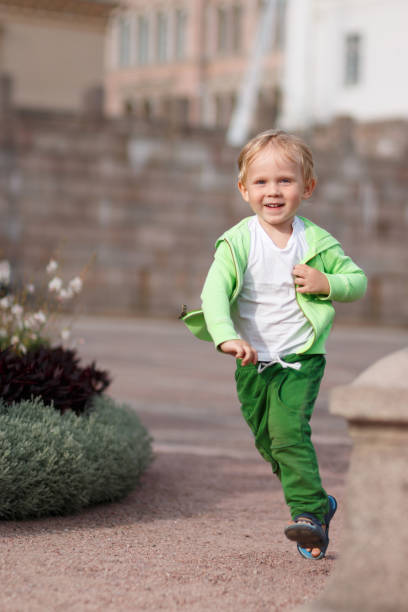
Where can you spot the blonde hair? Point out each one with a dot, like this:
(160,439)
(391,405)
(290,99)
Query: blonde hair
(291,146)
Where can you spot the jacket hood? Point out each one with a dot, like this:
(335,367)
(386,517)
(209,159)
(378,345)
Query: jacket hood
(239,229)
(318,239)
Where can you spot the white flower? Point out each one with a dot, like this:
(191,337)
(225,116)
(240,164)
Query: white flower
(29,321)
(65,334)
(5,302)
(66,294)
(14,340)
(55,284)
(4,271)
(52,266)
(75,284)
(17,310)
(3,333)
(36,320)
(7,318)
(30,288)
(22,348)
(40,318)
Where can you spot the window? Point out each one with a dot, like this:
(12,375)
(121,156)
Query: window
(180,34)
(261,5)
(277,39)
(182,110)
(223,104)
(124,40)
(280,24)
(161,40)
(236,28)
(147,109)
(142,40)
(128,107)
(221,30)
(218,111)
(268,44)
(207,30)
(231,104)
(352,68)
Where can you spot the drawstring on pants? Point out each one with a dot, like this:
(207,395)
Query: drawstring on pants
(276,359)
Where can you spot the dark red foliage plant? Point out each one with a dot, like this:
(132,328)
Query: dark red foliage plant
(54,374)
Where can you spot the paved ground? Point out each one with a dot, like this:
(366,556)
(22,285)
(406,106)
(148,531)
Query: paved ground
(204,529)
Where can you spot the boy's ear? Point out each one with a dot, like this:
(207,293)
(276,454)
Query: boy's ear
(243,190)
(309,188)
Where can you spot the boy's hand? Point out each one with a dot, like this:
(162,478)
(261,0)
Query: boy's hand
(310,280)
(240,350)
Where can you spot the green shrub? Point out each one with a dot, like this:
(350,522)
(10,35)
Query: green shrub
(52,463)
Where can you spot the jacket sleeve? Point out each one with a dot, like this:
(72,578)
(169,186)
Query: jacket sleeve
(217,291)
(347,281)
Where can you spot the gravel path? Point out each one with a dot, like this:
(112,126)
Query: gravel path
(204,530)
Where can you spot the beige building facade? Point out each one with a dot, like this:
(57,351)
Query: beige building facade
(53,50)
(186,60)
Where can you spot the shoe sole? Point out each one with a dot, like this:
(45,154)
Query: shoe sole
(307,536)
(303,549)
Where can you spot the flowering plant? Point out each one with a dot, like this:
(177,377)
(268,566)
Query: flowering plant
(25,319)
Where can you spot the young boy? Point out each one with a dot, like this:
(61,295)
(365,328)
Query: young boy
(267,301)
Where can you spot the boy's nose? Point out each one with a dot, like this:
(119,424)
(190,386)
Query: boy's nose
(274,189)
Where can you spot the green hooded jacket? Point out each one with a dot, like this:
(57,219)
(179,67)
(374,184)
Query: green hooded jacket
(224,282)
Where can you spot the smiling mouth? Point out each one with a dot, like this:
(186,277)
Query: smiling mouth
(274,205)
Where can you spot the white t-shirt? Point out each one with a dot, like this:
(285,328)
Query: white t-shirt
(266,313)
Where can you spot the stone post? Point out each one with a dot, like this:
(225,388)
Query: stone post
(371,574)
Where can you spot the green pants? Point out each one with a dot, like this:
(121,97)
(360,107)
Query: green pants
(277,404)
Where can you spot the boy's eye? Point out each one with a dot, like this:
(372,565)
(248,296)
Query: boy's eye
(260,182)
(285,180)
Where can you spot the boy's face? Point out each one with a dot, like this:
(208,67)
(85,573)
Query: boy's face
(274,188)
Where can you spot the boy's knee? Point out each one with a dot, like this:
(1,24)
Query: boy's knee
(290,431)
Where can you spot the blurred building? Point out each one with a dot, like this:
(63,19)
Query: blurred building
(345,57)
(184,60)
(53,50)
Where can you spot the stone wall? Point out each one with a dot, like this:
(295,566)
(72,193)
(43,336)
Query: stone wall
(146,204)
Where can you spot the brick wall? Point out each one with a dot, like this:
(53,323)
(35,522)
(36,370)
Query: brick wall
(146,204)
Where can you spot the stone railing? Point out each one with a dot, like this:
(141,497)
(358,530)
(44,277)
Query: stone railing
(371,574)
